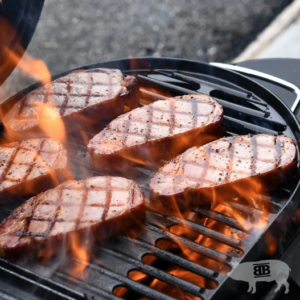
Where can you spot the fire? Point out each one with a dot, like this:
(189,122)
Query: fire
(251,194)
(36,68)
(80,254)
(13,56)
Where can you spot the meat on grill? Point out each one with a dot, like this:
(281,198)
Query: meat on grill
(156,132)
(87,97)
(100,206)
(30,167)
(223,167)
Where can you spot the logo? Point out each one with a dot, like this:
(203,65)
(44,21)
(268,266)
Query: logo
(261,270)
(264,270)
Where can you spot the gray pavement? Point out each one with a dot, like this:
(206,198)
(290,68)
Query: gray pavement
(286,44)
(72,33)
(77,32)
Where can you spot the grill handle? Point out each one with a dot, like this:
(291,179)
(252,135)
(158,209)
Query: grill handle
(265,76)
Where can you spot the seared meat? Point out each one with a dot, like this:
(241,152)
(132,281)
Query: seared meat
(101,206)
(30,167)
(86,97)
(217,169)
(156,132)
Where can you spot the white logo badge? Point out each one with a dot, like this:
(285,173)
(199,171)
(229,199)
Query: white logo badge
(264,270)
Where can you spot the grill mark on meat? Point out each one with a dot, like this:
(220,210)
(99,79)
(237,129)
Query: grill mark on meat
(82,206)
(58,208)
(198,101)
(254,159)
(71,205)
(73,95)
(5,171)
(85,83)
(231,155)
(88,97)
(208,156)
(108,198)
(195,111)
(278,152)
(125,132)
(28,220)
(132,196)
(204,166)
(100,71)
(177,112)
(65,103)
(31,166)
(172,115)
(149,122)
(209,116)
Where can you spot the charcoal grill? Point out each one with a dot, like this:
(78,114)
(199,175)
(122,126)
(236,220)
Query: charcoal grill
(248,108)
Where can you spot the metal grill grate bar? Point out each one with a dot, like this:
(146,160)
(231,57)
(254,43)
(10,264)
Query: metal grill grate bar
(169,257)
(234,92)
(221,218)
(156,273)
(171,221)
(86,288)
(248,126)
(130,284)
(213,254)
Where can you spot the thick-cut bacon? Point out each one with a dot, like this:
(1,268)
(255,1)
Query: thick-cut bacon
(94,209)
(156,132)
(30,167)
(214,170)
(86,97)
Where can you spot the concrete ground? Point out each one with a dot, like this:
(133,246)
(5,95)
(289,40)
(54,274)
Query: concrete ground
(286,44)
(72,33)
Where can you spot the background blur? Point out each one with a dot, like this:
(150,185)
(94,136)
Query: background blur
(72,33)
(78,32)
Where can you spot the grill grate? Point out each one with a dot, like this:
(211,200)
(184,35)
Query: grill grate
(244,112)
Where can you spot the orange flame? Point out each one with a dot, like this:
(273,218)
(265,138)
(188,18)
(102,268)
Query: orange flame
(14,55)
(250,194)
(36,68)
(81,255)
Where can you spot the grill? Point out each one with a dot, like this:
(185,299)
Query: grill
(248,108)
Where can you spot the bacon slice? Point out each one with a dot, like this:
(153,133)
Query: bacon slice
(101,206)
(30,167)
(86,96)
(156,132)
(202,174)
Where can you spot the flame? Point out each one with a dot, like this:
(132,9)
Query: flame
(36,68)
(13,54)
(251,194)
(80,253)
(48,121)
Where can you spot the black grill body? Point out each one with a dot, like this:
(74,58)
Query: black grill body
(248,108)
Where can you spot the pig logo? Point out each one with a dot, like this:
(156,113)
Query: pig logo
(264,270)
